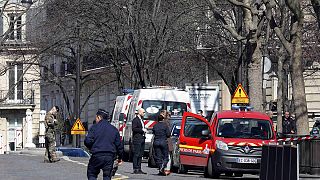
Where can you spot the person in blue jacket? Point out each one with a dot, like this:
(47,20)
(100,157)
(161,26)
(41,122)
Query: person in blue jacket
(161,133)
(103,141)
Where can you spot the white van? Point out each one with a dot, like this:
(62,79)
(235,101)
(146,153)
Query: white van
(153,100)
(120,111)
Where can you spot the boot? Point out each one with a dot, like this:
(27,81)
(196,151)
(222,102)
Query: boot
(47,161)
(167,172)
(55,160)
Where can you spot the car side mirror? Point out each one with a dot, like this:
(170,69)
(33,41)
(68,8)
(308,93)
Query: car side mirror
(205,133)
(121,117)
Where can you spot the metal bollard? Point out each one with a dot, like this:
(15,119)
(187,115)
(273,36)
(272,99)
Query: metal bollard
(315,157)
(305,156)
(279,162)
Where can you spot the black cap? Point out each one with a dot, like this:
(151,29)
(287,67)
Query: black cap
(103,113)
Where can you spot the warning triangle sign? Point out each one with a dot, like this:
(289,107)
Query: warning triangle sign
(240,96)
(78,127)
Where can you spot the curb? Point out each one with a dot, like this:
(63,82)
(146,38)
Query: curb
(33,151)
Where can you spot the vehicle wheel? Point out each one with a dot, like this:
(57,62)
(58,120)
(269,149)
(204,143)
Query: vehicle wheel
(182,169)
(151,161)
(209,171)
(174,169)
(238,174)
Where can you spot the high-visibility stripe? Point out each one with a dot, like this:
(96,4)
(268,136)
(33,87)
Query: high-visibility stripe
(122,127)
(190,147)
(149,124)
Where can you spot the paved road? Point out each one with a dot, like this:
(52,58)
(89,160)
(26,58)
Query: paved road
(31,167)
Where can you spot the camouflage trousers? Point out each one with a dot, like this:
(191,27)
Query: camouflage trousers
(50,154)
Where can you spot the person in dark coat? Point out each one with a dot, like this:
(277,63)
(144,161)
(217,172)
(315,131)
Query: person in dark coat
(138,141)
(288,124)
(167,115)
(161,133)
(103,141)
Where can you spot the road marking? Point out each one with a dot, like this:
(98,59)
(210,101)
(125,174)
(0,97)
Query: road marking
(70,160)
(27,155)
(84,164)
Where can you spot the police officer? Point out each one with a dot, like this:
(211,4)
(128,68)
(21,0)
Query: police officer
(103,141)
(50,123)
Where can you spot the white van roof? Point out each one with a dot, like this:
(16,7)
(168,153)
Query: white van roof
(163,94)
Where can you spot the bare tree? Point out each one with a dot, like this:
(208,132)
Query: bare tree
(252,35)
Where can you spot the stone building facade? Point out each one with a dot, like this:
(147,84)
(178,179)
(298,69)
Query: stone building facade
(19,82)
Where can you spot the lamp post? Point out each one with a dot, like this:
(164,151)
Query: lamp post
(78,83)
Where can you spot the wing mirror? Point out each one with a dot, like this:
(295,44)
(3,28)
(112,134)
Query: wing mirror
(205,133)
(121,117)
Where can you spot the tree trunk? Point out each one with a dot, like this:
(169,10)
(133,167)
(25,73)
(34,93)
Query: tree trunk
(298,87)
(255,79)
(280,90)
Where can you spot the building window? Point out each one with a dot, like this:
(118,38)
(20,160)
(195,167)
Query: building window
(63,68)
(15,27)
(15,81)
(19,31)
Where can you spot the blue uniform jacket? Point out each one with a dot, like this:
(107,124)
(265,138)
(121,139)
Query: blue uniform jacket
(104,138)
(161,131)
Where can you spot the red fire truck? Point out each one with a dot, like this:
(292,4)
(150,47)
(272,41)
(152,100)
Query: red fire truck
(231,142)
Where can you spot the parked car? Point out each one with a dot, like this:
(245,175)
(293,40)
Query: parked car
(73,152)
(175,126)
(231,143)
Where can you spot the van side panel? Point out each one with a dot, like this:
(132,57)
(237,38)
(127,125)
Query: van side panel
(150,94)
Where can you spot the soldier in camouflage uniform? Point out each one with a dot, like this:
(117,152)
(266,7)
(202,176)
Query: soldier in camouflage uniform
(50,123)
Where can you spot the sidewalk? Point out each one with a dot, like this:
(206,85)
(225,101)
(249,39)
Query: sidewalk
(32,151)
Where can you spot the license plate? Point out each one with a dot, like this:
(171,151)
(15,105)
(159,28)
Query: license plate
(247,160)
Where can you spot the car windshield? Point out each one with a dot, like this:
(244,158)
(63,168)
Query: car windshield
(153,108)
(244,128)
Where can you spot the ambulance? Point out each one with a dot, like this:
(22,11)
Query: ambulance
(120,112)
(153,100)
(230,143)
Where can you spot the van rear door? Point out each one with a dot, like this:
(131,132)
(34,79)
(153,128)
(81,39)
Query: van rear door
(194,144)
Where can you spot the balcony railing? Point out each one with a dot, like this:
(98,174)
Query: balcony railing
(24,97)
